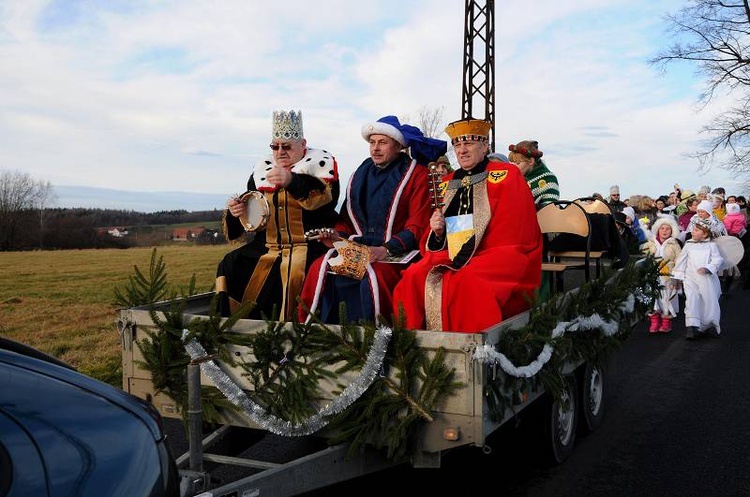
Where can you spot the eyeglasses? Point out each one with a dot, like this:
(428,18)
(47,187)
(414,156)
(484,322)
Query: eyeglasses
(284,146)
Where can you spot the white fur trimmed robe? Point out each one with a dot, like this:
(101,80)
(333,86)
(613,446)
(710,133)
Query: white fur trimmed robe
(666,253)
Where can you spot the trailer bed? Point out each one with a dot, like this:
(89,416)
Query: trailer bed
(461,419)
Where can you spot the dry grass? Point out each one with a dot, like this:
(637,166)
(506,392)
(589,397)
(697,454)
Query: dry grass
(62,302)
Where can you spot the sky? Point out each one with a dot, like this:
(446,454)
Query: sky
(177,95)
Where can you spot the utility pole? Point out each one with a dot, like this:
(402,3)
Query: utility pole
(478,95)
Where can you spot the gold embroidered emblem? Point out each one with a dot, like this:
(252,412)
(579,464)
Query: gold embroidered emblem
(542,183)
(497,176)
(466,181)
(442,188)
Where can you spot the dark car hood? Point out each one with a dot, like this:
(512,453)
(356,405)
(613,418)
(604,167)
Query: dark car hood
(124,400)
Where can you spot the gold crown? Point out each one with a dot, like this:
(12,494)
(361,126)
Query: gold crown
(287,125)
(468,130)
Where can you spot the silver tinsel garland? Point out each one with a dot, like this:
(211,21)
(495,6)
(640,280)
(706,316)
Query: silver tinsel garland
(489,355)
(274,424)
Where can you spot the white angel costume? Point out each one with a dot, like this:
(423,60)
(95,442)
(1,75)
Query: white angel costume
(702,291)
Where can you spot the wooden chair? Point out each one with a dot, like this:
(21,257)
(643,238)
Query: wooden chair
(564,216)
(592,206)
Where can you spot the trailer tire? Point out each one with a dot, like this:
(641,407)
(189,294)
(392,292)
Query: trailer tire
(592,397)
(561,422)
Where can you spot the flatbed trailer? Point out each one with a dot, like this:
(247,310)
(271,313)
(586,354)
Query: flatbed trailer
(460,420)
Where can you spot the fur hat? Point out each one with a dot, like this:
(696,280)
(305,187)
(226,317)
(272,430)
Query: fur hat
(704,190)
(668,219)
(733,208)
(706,205)
(614,190)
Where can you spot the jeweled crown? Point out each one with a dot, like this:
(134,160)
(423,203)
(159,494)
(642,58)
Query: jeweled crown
(469,130)
(287,125)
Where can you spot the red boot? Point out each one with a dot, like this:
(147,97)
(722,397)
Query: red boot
(655,322)
(666,324)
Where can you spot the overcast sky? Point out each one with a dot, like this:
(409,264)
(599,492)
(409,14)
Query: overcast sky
(148,95)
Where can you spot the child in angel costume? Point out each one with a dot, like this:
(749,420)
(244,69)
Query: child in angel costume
(663,244)
(696,268)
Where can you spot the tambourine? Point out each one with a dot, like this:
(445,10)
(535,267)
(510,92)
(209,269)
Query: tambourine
(256,212)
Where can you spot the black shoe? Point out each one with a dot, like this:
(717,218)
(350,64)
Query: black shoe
(690,332)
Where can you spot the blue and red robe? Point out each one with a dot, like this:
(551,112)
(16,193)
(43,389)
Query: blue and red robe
(389,207)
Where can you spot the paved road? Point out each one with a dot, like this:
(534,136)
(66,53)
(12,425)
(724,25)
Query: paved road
(676,425)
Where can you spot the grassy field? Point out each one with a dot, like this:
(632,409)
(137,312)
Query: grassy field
(62,302)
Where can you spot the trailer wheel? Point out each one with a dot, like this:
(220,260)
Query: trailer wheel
(561,421)
(592,397)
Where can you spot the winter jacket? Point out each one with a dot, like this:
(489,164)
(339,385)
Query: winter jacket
(669,249)
(735,224)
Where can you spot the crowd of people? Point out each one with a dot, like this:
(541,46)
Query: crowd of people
(420,241)
(688,231)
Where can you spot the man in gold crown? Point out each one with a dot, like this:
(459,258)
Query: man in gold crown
(482,258)
(298,188)
(386,211)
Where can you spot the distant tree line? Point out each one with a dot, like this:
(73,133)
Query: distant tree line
(88,228)
(26,223)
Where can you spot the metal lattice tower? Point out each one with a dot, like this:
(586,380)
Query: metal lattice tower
(479,63)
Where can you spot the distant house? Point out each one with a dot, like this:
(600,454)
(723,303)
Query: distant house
(117,232)
(187,234)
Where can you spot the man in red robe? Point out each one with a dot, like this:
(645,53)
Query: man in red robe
(482,258)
